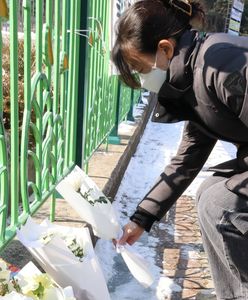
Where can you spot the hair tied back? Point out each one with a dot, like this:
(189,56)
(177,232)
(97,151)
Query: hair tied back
(182,5)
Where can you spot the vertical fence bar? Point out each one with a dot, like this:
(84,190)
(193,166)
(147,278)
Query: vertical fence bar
(113,138)
(88,89)
(38,31)
(70,85)
(64,73)
(48,54)
(56,97)
(27,95)
(3,157)
(75,86)
(56,66)
(91,87)
(130,113)
(105,71)
(95,78)
(49,10)
(81,87)
(100,112)
(14,189)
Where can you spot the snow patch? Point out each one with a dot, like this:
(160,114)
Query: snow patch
(165,288)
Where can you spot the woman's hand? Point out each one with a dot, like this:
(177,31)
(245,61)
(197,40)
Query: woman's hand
(131,233)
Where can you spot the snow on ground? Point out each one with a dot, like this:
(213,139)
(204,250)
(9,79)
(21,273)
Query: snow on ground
(157,146)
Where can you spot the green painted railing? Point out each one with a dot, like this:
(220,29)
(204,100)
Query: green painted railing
(103,108)
(101,86)
(125,102)
(55,120)
(48,126)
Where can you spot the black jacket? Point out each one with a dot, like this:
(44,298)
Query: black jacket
(207,87)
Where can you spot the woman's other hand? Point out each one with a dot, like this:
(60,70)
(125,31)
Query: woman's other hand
(131,233)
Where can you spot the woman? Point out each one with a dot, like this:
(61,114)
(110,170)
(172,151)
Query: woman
(200,79)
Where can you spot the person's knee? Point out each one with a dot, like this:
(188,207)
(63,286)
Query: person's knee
(202,190)
(207,201)
(213,202)
(207,184)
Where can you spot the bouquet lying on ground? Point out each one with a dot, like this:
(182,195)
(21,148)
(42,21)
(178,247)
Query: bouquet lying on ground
(30,284)
(94,208)
(67,255)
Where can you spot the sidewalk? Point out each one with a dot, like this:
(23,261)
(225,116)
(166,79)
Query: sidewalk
(184,259)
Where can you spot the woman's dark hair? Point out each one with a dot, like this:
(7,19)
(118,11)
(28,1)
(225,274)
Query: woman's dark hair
(144,24)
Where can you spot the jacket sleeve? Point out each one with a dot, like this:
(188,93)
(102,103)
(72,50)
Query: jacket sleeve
(192,153)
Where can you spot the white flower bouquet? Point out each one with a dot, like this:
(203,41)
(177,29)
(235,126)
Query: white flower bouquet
(67,255)
(96,209)
(90,203)
(30,284)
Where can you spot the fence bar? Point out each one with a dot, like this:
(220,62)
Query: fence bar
(14,189)
(4,194)
(130,113)
(27,96)
(38,18)
(81,86)
(70,83)
(64,72)
(73,122)
(56,81)
(114,138)
(56,101)
(49,11)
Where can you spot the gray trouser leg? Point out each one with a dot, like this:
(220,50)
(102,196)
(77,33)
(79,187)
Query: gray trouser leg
(223,220)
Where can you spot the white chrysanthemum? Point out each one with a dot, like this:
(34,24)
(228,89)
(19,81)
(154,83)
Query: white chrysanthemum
(33,283)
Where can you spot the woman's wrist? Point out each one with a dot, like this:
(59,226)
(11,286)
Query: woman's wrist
(143,219)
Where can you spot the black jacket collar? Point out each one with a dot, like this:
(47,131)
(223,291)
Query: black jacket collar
(180,72)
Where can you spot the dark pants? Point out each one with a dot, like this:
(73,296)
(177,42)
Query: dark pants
(223,219)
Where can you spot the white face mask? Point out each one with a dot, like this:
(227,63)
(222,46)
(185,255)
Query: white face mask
(153,80)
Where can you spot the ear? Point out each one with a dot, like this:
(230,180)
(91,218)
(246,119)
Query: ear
(168,47)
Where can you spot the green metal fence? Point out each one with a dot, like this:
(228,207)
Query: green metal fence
(101,87)
(103,109)
(43,135)
(54,120)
